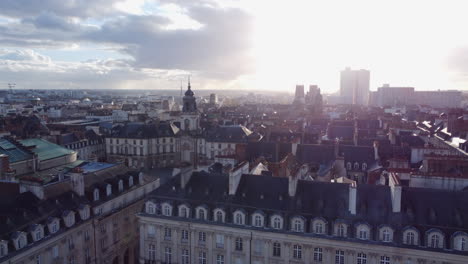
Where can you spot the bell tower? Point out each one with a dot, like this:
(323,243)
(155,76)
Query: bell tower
(189,117)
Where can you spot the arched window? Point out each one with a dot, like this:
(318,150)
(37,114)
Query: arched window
(318,227)
(108,190)
(410,238)
(435,241)
(96,195)
(183,212)
(201,214)
(219,217)
(297,251)
(361,258)
(276,249)
(238,218)
(348,166)
(187,124)
(150,208)
(130,181)
(363,234)
(3,250)
(22,241)
(462,244)
(356,166)
(276,222)
(167,210)
(298,225)
(386,235)
(258,220)
(364,166)
(341,230)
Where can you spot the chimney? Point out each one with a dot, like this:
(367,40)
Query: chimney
(395,192)
(292,185)
(352,198)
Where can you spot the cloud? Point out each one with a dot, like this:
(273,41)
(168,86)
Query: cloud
(200,37)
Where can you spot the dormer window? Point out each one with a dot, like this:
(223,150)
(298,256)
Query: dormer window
(219,215)
(297,225)
(96,195)
(348,166)
(54,226)
(84,212)
(38,234)
(364,166)
(69,219)
(435,239)
(411,236)
(257,220)
(108,190)
(362,231)
(276,222)
(183,211)
(201,213)
(356,166)
(386,234)
(318,226)
(460,241)
(150,208)
(21,241)
(120,185)
(167,209)
(239,218)
(130,181)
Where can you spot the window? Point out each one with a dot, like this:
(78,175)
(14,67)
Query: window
(276,249)
(362,234)
(202,257)
(361,258)
(434,241)
(201,214)
(219,241)
(341,230)
(38,235)
(258,221)
(108,190)
(339,257)
(96,194)
(238,219)
(319,227)
(21,241)
(152,252)
(384,260)
(348,166)
(150,208)
(120,185)
(297,225)
(463,244)
(364,166)
(168,255)
(70,243)
(167,210)
(185,256)
(38,259)
(297,252)
(130,181)
(219,216)
(410,238)
(219,259)
(258,247)
(386,235)
(55,252)
(151,231)
(167,233)
(356,166)
(184,212)
(202,237)
(238,244)
(276,222)
(318,254)
(184,235)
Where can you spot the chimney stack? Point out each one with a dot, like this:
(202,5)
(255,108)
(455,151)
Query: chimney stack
(352,198)
(395,192)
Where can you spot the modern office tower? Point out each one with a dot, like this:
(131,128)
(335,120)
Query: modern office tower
(354,86)
(299,96)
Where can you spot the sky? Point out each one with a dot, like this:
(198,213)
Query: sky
(231,44)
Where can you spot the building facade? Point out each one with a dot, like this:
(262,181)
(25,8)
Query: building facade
(354,86)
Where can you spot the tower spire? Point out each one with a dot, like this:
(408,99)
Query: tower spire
(189,82)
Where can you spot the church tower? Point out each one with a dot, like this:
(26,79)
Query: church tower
(189,117)
(190,128)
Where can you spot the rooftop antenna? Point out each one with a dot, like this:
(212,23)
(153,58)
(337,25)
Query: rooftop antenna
(181,88)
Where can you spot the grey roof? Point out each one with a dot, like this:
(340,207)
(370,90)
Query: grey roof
(141,130)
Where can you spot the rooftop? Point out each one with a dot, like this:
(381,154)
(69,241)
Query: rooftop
(44,149)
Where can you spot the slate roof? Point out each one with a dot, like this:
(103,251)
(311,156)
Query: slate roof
(271,151)
(141,130)
(321,154)
(232,133)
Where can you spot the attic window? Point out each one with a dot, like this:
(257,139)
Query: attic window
(96,194)
(108,190)
(120,185)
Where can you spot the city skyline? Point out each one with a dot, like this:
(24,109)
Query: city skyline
(154,44)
